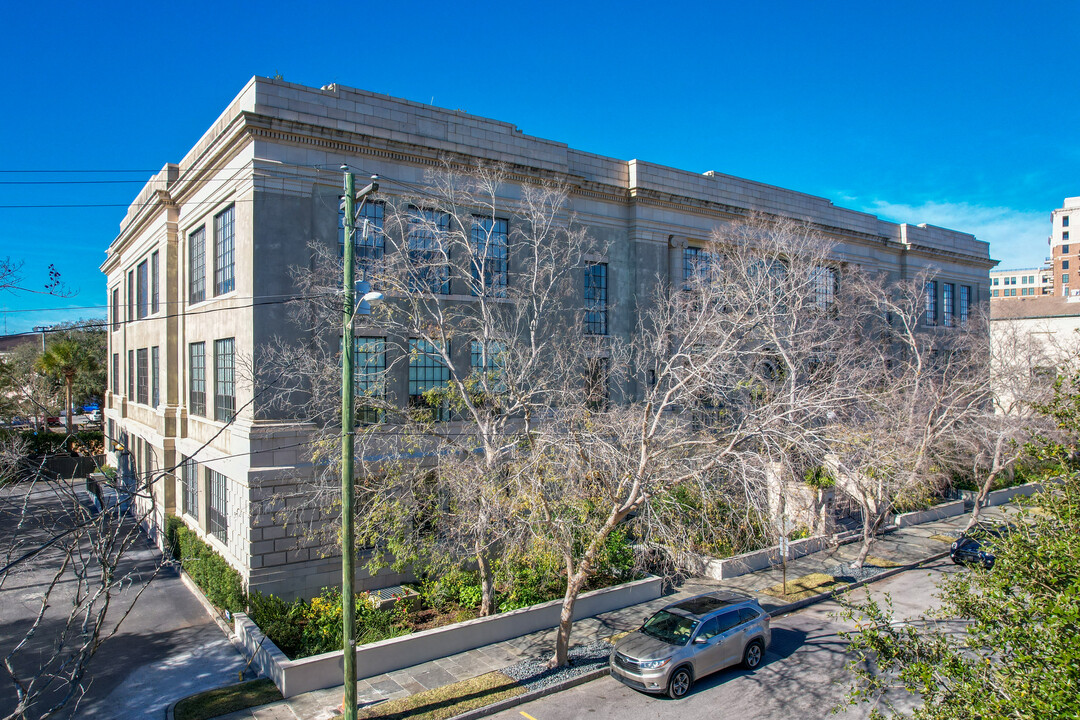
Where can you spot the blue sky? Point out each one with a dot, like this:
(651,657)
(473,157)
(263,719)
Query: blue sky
(959,114)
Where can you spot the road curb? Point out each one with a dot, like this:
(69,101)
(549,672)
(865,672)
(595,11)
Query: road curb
(601,672)
(533,695)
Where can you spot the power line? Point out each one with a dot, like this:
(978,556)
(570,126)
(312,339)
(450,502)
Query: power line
(163,302)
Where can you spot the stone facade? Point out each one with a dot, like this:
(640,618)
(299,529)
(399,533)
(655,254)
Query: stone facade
(270,164)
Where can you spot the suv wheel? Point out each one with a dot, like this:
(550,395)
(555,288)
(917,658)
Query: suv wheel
(753,655)
(680,683)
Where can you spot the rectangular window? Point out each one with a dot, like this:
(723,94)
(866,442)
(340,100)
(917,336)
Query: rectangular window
(488,362)
(224,379)
(224,251)
(217,516)
(931,302)
(370,248)
(490,255)
(197,378)
(995,281)
(189,481)
(369,377)
(596,299)
(697,265)
(131,296)
(596,383)
(155,371)
(116,373)
(155,290)
(825,286)
(142,283)
(1065,279)
(110,440)
(142,376)
(965,304)
(427,251)
(1064,221)
(131,375)
(116,308)
(197,266)
(995,293)
(948,294)
(426,372)
(1064,249)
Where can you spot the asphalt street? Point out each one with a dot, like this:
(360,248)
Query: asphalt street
(803,676)
(167,648)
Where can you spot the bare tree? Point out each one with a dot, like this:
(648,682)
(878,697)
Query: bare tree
(741,366)
(1023,363)
(927,384)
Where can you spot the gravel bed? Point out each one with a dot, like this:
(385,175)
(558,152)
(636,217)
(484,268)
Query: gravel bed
(535,675)
(845,572)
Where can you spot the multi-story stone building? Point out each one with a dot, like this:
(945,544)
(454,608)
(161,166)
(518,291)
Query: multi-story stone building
(200,267)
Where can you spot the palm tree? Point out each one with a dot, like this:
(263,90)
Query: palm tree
(64,360)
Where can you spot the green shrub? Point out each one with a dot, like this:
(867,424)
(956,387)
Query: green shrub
(303,628)
(820,478)
(51,443)
(615,562)
(530,579)
(222,585)
(283,622)
(454,587)
(172,536)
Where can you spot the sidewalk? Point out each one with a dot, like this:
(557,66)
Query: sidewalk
(904,546)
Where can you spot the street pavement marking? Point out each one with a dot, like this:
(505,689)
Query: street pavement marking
(527,715)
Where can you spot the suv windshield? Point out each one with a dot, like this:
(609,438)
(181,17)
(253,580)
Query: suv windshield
(670,628)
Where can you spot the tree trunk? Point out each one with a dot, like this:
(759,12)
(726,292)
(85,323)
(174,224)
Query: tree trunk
(487,582)
(869,528)
(980,499)
(575,581)
(566,617)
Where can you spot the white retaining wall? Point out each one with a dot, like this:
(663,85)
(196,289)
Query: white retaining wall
(322,671)
(938,512)
(736,565)
(1000,497)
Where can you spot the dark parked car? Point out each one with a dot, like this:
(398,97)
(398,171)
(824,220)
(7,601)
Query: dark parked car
(692,638)
(976,546)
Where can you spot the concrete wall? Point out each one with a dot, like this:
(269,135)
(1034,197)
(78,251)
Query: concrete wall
(321,671)
(938,512)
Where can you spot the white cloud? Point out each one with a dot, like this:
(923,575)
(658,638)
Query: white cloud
(1017,237)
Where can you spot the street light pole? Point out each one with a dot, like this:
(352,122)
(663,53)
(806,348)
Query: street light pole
(348,539)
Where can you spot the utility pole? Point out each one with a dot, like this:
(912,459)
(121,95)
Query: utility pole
(348,539)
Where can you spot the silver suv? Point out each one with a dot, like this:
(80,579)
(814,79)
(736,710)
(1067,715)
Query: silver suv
(692,638)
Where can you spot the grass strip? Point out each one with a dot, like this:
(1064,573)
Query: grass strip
(804,587)
(447,701)
(943,538)
(231,698)
(881,562)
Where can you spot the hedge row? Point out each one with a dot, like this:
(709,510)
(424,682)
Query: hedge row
(222,585)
